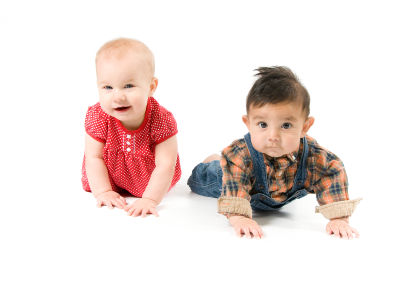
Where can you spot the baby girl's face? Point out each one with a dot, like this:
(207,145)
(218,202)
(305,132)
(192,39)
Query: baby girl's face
(124,86)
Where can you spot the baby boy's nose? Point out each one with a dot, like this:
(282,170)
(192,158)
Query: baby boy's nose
(274,135)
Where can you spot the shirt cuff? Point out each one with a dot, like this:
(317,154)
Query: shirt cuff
(234,205)
(338,209)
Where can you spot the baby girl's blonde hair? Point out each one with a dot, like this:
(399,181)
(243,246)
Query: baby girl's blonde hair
(120,47)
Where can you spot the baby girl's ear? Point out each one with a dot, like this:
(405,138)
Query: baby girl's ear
(153,85)
(308,124)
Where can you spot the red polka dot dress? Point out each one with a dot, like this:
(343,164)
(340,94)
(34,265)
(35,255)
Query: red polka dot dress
(130,155)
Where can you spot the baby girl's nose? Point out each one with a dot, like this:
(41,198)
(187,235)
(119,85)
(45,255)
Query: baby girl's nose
(119,97)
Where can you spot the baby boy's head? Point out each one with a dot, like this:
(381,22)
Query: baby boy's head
(277,111)
(125,79)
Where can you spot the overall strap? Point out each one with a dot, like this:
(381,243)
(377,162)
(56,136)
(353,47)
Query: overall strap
(302,168)
(261,184)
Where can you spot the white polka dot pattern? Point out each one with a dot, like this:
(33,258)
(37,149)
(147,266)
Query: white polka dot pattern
(130,155)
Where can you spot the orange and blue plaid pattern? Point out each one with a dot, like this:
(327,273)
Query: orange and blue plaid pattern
(326,176)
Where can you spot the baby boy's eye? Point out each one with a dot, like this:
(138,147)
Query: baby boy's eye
(128,86)
(262,125)
(108,87)
(286,125)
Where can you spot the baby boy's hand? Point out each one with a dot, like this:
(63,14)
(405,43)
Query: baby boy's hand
(341,228)
(247,226)
(142,206)
(111,199)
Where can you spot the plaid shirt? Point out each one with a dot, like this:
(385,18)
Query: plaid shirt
(326,176)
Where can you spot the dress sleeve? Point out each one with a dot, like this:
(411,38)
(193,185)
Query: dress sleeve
(96,123)
(163,126)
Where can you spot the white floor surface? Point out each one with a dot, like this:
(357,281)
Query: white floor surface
(357,60)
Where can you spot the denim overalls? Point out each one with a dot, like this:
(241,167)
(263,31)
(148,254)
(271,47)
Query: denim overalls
(206,179)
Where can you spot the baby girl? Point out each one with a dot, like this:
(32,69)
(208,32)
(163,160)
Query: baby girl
(130,141)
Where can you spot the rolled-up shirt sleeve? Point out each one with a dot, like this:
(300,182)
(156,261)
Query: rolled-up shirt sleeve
(237,180)
(331,186)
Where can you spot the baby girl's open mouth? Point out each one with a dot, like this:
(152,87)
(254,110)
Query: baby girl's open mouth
(122,109)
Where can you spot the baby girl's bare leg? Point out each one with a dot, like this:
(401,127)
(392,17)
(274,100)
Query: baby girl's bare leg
(212,158)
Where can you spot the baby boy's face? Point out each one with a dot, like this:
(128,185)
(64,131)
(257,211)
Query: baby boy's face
(276,129)
(124,86)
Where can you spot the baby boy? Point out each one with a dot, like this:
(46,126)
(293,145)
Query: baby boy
(276,162)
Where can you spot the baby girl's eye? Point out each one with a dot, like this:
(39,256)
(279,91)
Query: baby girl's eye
(286,125)
(108,87)
(128,86)
(262,125)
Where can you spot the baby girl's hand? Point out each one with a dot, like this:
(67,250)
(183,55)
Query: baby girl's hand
(341,228)
(111,199)
(142,206)
(247,226)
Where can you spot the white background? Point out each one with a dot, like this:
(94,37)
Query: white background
(357,60)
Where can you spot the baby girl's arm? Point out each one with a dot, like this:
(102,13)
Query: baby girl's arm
(97,174)
(160,181)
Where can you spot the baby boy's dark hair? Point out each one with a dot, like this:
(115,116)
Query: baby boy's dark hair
(277,84)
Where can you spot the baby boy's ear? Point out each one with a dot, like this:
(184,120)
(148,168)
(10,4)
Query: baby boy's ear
(308,124)
(245,120)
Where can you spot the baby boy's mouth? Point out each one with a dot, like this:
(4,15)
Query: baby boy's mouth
(122,109)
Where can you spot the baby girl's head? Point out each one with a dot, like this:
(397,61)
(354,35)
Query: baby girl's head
(125,79)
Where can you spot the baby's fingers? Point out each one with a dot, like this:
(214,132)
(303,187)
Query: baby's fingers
(343,232)
(116,203)
(259,232)
(132,211)
(349,233)
(247,232)
(108,204)
(336,231)
(129,209)
(99,203)
(154,212)
(238,231)
(329,230)
(255,232)
(355,232)
(144,212)
(137,212)
(121,204)
(123,200)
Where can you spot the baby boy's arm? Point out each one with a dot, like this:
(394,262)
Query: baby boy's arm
(235,199)
(97,174)
(160,181)
(331,189)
